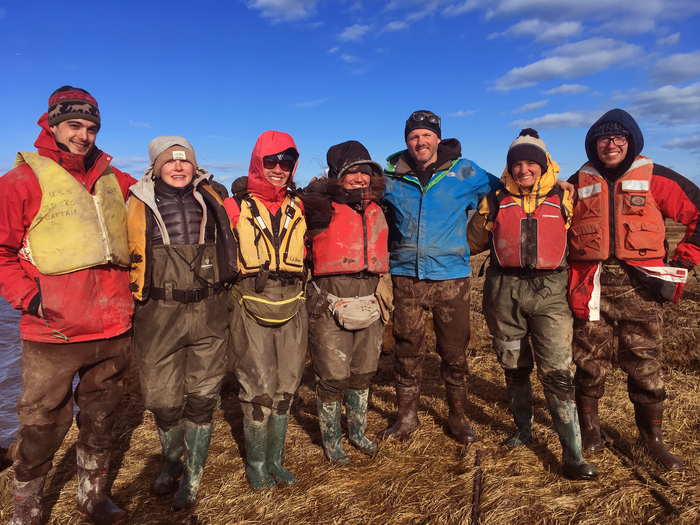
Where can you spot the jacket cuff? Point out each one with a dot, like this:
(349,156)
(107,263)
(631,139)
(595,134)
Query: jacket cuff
(33,307)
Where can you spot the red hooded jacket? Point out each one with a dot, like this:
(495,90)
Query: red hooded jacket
(80,306)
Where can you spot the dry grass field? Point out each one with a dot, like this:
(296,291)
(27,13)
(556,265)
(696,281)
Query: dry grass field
(430,478)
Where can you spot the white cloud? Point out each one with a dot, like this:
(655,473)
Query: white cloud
(311,103)
(133,165)
(529,107)
(542,31)
(139,124)
(462,113)
(570,119)
(676,68)
(394,26)
(567,89)
(462,7)
(569,61)
(669,105)
(282,10)
(333,50)
(691,144)
(225,167)
(353,33)
(349,58)
(670,40)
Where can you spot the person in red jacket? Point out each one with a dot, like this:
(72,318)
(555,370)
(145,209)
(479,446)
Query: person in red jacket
(268,325)
(349,247)
(64,262)
(618,277)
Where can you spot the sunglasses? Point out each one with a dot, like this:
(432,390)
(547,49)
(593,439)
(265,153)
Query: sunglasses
(269,163)
(420,116)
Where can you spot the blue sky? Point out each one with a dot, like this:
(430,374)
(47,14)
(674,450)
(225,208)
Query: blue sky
(221,73)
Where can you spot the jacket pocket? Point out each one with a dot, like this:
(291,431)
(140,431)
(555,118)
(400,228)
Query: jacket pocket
(585,238)
(644,236)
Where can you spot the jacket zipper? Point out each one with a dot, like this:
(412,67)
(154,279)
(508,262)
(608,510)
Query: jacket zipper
(364,233)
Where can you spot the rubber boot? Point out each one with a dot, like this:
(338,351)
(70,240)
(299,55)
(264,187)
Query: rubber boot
(28,498)
(92,479)
(356,412)
(197,440)
(520,397)
(408,399)
(256,452)
(565,420)
(331,433)
(457,422)
(590,424)
(276,434)
(649,419)
(172,444)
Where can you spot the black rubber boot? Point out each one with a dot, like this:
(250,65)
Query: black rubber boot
(565,420)
(172,444)
(92,479)
(331,433)
(457,422)
(520,397)
(590,424)
(28,498)
(649,419)
(356,412)
(408,399)
(197,440)
(276,434)
(256,452)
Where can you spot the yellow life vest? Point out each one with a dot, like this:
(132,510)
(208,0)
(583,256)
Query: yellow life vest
(75,230)
(257,244)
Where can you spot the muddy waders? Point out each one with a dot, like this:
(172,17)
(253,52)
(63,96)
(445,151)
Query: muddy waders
(256,444)
(590,423)
(649,418)
(520,398)
(172,443)
(565,420)
(197,440)
(331,433)
(408,399)
(356,412)
(28,499)
(93,502)
(276,435)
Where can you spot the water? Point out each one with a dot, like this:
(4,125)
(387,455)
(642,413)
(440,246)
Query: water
(10,372)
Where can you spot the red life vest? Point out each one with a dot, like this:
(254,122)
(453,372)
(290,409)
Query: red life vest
(638,230)
(537,241)
(353,242)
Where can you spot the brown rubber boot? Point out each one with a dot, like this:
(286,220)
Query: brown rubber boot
(649,418)
(92,479)
(457,421)
(408,398)
(28,498)
(590,424)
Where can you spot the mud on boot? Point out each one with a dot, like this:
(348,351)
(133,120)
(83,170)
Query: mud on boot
(331,433)
(565,419)
(256,455)
(172,443)
(93,502)
(356,412)
(197,440)
(408,399)
(520,398)
(587,407)
(29,496)
(276,434)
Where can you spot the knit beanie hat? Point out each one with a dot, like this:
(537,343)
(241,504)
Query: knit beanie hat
(69,102)
(609,128)
(164,149)
(528,146)
(348,157)
(423,120)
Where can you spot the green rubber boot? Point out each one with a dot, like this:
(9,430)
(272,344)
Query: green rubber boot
(565,419)
(197,440)
(276,433)
(356,412)
(172,444)
(520,397)
(331,433)
(256,452)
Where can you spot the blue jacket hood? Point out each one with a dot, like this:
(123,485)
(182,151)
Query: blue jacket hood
(624,119)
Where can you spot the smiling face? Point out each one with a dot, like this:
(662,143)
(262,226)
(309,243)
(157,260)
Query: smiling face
(78,135)
(277,172)
(177,173)
(354,180)
(610,152)
(423,146)
(526,172)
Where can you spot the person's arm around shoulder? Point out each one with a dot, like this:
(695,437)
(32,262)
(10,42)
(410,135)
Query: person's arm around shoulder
(477,235)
